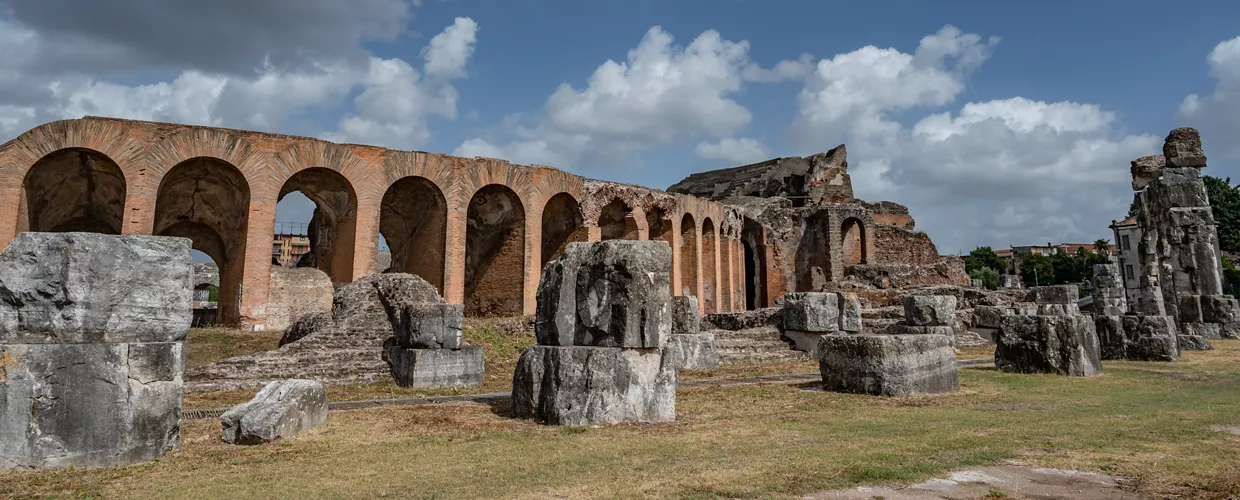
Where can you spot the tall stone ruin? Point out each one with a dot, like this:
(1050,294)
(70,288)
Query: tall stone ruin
(1181,272)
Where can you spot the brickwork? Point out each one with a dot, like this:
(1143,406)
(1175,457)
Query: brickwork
(252,170)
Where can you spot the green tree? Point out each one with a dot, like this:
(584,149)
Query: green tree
(1102,247)
(1036,269)
(1225,204)
(1069,268)
(983,257)
(990,277)
(213,293)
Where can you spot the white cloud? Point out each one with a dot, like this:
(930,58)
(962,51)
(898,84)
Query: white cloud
(660,95)
(742,151)
(1217,115)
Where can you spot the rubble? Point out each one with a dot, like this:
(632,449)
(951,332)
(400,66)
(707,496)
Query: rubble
(281,409)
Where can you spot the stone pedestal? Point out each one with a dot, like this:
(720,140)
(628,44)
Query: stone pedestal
(1056,300)
(1066,345)
(91,359)
(888,365)
(1137,338)
(431,368)
(579,386)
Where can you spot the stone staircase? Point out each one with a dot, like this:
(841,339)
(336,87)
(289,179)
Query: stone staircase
(754,345)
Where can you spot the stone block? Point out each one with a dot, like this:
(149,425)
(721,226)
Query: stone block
(930,310)
(1182,148)
(1145,170)
(582,385)
(1149,338)
(1111,341)
(813,312)
(692,351)
(373,304)
(86,287)
(989,316)
(1194,343)
(281,409)
(89,405)
(619,296)
(1056,294)
(1191,216)
(1066,345)
(1190,309)
(887,365)
(685,316)
(1058,310)
(1207,330)
(430,326)
(1222,309)
(850,312)
(432,368)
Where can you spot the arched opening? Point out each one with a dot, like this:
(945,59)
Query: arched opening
(208,201)
(813,257)
(727,288)
(561,225)
(688,256)
(75,189)
(616,221)
(659,226)
(330,228)
(853,245)
(754,248)
(494,253)
(710,280)
(413,222)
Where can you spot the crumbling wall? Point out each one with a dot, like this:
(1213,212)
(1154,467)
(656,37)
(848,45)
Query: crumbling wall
(812,180)
(296,292)
(947,270)
(896,245)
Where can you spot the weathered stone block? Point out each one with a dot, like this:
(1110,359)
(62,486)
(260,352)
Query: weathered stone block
(1222,309)
(989,316)
(887,365)
(430,326)
(685,316)
(692,351)
(1056,294)
(86,287)
(373,303)
(1145,170)
(281,409)
(1067,345)
(89,405)
(930,310)
(620,296)
(1194,343)
(1111,341)
(1207,330)
(1149,338)
(594,385)
(1058,310)
(1190,309)
(431,368)
(850,312)
(1182,148)
(813,312)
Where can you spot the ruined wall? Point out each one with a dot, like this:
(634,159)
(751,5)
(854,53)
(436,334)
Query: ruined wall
(812,180)
(895,245)
(295,292)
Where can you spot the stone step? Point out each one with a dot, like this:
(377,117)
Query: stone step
(886,312)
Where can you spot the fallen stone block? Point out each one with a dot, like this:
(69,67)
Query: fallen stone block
(888,365)
(619,296)
(812,312)
(432,368)
(1066,345)
(430,326)
(1194,343)
(685,317)
(1207,330)
(692,351)
(1137,338)
(1182,148)
(281,409)
(850,312)
(930,310)
(594,385)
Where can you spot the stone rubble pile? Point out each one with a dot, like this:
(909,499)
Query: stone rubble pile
(689,347)
(808,316)
(91,359)
(603,319)
(281,409)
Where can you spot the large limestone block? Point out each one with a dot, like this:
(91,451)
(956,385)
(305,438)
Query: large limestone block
(850,312)
(1066,345)
(812,312)
(281,409)
(594,385)
(1137,338)
(1194,343)
(87,287)
(888,365)
(989,316)
(619,296)
(296,292)
(1056,294)
(430,368)
(692,351)
(1182,148)
(685,317)
(430,326)
(89,405)
(930,310)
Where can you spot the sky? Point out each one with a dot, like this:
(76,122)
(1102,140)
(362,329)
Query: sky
(996,123)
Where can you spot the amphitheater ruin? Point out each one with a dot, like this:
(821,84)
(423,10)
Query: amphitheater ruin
(475,228)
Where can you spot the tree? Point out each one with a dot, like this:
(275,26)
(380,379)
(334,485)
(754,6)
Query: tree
(1225,205)
(990,277)
(1102,247)
(1036,269)
(1069,268)
(984,257)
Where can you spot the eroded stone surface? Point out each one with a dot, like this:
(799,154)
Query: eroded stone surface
(429,368)
(685,317)
(1001,481)
(1137,338)
(930,310)
(430,326)
(281,409)
(1066,345)
(692,351)
(888,365)
(580,385)
(813,312)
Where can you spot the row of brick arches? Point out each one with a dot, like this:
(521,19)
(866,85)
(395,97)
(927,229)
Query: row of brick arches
(479,230)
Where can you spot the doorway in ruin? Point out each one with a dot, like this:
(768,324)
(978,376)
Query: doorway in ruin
(330,226)
(495,253)
(413,224)
(562,223)
(77,189)
(615,222)
(208,201)
(710,279)
(688,256)
(752,241)
(852,234)
(659,226)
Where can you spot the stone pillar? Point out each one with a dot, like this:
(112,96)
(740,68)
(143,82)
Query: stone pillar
(454,259)
(533,256)
(255,263)
(366,236)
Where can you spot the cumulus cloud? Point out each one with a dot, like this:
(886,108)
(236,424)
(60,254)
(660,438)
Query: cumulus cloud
(740,151)
(660,95)
(1217,115)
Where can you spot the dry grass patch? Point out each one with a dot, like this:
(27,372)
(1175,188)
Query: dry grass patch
(204,346)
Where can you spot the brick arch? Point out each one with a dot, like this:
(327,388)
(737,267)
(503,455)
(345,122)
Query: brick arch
(206,143)
(483,172)
(413,219)
(621,219)
(319,154)
(439,170)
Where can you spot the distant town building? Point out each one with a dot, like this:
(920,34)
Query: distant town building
(1127,236)
(289,244)
(1014,256)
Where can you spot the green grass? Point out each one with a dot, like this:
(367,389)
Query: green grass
(1143,420)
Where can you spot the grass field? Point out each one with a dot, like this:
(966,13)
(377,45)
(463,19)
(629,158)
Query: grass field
(1153,422)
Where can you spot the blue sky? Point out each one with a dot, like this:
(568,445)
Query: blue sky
(996,122)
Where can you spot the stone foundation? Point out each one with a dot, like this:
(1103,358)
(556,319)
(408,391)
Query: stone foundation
(1065,345)
(594,385)
(431,368)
